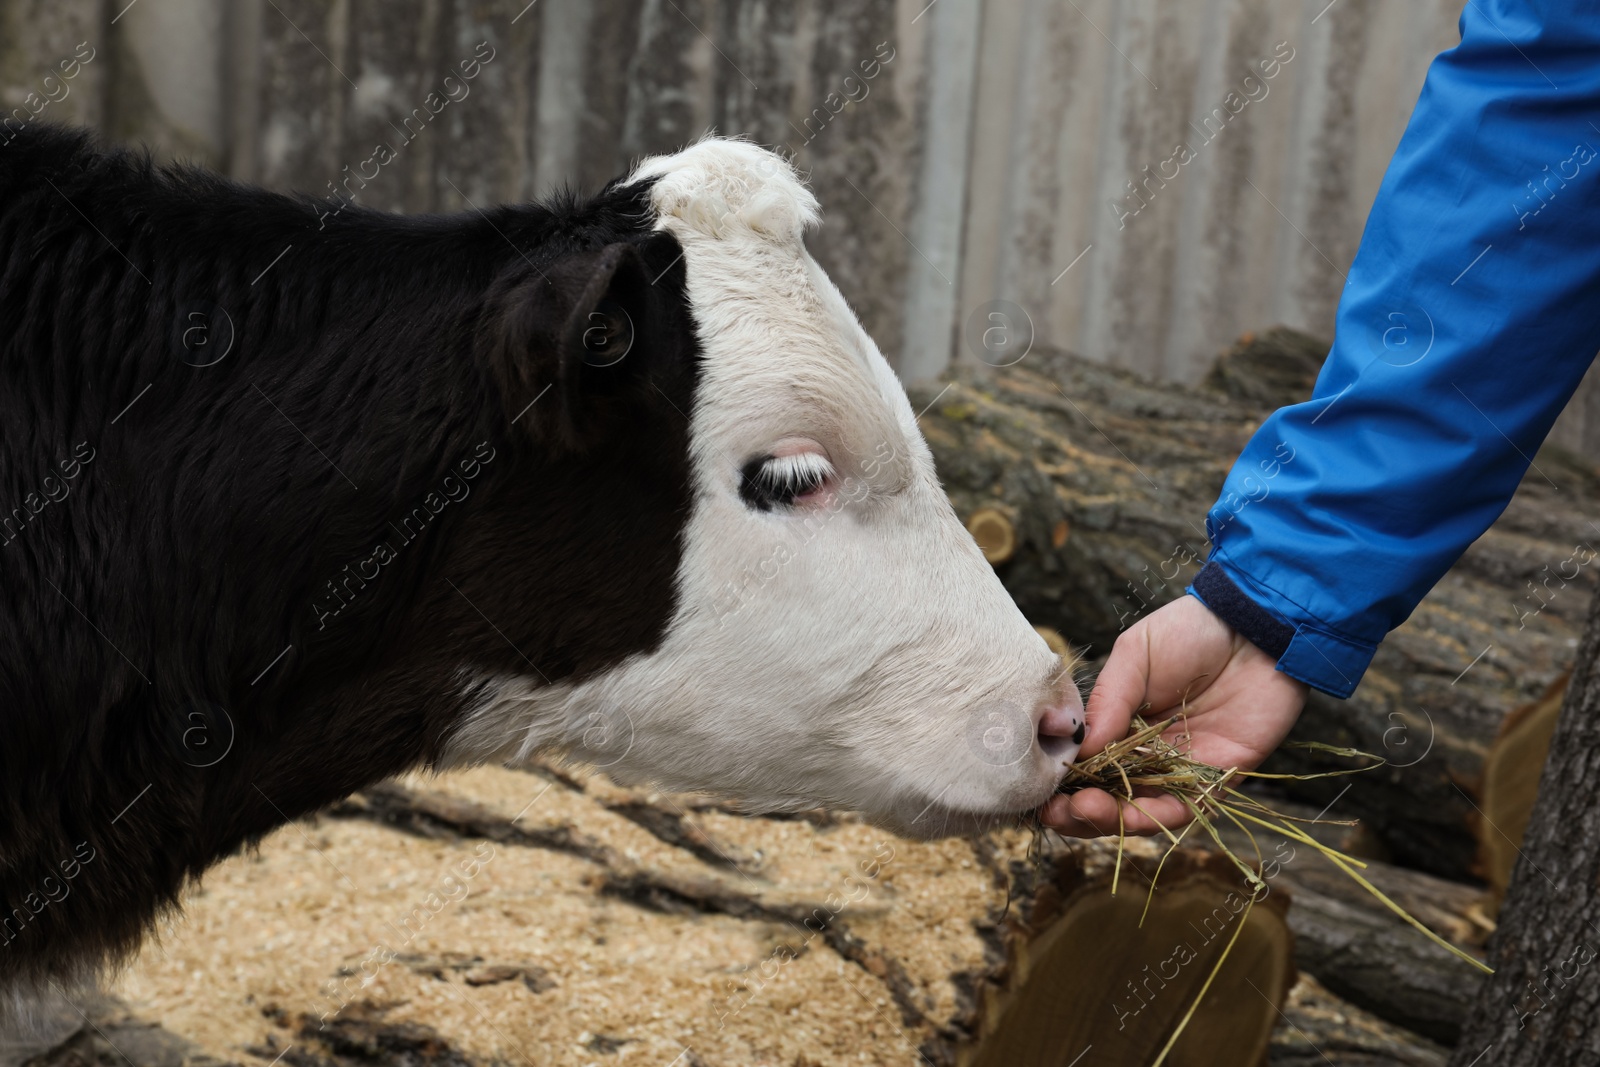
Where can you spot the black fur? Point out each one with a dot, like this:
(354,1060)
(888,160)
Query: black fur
(234,508)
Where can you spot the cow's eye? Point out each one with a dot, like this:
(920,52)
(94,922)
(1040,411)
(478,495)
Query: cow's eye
(769,481)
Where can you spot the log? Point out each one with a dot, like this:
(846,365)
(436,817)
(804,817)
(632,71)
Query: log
(1541,1004)
(1511,785)
(580,894)
(1108,478)
(102,1031)
(1369,957)
(1360,950)
(1320,1030)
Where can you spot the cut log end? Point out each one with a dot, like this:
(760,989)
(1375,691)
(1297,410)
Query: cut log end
(1511,785)
(1094,975)
(995,534)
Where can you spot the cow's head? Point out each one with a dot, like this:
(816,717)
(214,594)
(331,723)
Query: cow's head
(836,638)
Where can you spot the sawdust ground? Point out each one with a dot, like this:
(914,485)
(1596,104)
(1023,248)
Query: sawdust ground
(304,925)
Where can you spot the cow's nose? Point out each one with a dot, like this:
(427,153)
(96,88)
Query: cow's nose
(1063,725)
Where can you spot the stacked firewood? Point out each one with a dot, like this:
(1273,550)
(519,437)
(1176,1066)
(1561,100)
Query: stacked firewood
(1105,479)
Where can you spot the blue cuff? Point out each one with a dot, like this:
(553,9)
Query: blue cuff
(1305,650)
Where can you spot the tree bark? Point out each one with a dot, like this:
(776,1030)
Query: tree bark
(1543,1003)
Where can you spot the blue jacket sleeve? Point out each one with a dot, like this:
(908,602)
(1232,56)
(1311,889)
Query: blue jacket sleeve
(1469,317)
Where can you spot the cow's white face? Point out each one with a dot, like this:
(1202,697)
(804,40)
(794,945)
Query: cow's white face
(839,639)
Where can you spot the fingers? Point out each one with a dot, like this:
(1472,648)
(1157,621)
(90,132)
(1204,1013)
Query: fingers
(1118,692)
(1089,813)
(1168,659)
(1093,813)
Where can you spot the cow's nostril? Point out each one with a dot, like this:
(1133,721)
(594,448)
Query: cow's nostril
(1063,726)
(1058,747)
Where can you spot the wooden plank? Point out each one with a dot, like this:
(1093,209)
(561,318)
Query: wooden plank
(167,92)
(928,223)
(852,156)
(398,101)
(668,102)
(488,149)
(303,90)
(613,41)
(937,64)
(755,89)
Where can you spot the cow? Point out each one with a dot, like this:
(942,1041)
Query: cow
(297,497)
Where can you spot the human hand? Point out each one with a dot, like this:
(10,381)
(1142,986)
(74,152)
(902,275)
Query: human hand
(1237,707)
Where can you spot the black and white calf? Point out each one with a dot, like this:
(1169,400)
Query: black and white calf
(293,502)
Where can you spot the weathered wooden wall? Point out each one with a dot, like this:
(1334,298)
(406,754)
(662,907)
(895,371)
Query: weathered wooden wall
(994,146)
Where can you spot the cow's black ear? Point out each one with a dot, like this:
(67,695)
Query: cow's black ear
(570,342)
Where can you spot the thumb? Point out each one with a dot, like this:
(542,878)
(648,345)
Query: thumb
(1119,691)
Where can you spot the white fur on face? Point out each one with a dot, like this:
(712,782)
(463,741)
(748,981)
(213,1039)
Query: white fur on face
(855,651)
